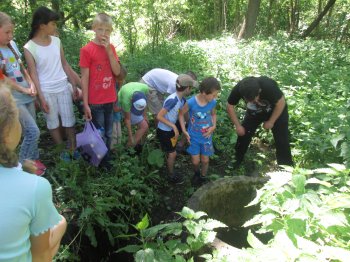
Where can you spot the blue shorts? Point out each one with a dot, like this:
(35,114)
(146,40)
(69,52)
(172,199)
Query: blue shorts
(204,148)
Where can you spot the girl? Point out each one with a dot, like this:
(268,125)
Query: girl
(23,91)
(202,123)
(49,70)
(30,226)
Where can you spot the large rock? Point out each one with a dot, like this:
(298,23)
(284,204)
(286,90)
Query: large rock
(225,199)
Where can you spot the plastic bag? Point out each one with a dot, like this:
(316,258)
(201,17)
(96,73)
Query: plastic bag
(90,144)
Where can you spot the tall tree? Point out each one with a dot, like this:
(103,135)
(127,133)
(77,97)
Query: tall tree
(294,16)
(249,23)
(314,24)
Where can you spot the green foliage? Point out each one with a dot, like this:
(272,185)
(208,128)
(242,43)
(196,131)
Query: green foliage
(308,212)
(173,241)
(104,201)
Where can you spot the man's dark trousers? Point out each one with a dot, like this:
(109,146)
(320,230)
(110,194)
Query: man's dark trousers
(279,131)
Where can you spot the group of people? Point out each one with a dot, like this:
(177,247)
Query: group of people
(31,226)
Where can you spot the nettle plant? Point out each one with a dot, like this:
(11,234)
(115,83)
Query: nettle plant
(308,212)
(177,241)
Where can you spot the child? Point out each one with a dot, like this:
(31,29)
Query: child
(202,123)
(168,126)
(31,228)
(117,111)
(23,91)
(49,70)
(100,66)
(133,101)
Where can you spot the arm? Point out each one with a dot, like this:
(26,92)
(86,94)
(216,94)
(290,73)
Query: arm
(34,76)
(234,119)
(112,59)
(40,247)
(73,77)
(277,111)
(85,72)
(127,119)
(182,113)
(211,129)
(161,118)
(16,86)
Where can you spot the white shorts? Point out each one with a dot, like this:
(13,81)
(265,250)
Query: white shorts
(136,119)
(60,104)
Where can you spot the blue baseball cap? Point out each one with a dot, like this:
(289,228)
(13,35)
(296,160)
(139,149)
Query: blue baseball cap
(138,103)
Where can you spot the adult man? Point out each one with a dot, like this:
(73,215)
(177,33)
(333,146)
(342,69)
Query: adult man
(265,103)
(162,83)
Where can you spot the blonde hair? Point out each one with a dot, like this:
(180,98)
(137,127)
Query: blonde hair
(102,19)
(5,19)
(8,114)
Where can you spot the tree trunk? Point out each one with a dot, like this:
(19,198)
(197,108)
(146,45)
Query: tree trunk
(294,16)
(249,23)
(314,24)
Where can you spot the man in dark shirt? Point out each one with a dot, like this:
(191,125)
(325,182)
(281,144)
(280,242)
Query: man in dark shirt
(265,104)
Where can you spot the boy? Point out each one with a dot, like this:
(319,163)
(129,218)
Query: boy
(202,123)
(168,126)
(133,101)
(100,66)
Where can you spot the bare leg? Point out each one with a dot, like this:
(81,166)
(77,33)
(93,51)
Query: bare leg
(171,161)
(71,137)
(56,135)
(204,165)
(119,133)
(141,131)
(195,162)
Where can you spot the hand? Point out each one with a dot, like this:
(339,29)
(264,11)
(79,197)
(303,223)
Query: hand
(32,89)
(240,130)
(105,41)
(268,125)
(44,105)
(131,141)
(209,132)
(87,113)
(187,137)
(75,93)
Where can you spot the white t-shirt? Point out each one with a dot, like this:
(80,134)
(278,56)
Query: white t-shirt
(49,67)
(162,80)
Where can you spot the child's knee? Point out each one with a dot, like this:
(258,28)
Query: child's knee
(205,160)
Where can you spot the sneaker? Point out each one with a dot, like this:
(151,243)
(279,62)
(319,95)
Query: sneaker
(39,172)
(76,154)
(176,179)
(39,164)
(65,156)
(195,179)
(203,179)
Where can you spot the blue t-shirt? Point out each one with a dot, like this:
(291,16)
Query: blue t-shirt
(26,209)
(13,71)
(200,118)
(172,104)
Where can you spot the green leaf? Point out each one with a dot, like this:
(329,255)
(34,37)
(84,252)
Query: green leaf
(299,183)
(296,226)
(253,241)
(156,158)
(143,224)
(130,249)
(186,213)
(211,224)
(90,232)
(146,255)
(199,214)
(335,140)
